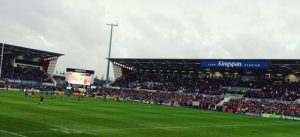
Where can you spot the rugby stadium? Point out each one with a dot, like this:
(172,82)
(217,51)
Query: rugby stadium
(150,97)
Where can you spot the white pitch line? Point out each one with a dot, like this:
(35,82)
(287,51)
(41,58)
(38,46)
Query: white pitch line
(186,127)
(11,133)
(163,128)
(37,131)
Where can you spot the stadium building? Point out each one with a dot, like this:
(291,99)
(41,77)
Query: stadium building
(274,79)
(22,65)
(257,87)
(247,69)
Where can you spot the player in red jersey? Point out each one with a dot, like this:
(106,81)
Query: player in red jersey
(117,98)
(129,99)
(104,97)
(42,97)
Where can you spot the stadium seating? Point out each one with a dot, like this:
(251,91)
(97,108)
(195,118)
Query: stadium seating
(171,98)
(263,89)
(277,91)
(24,73)
(271,96)
(208,102)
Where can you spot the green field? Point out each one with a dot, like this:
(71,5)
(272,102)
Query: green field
(65,116)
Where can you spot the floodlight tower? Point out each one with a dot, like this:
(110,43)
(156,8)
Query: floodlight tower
(109,52)
(1,62)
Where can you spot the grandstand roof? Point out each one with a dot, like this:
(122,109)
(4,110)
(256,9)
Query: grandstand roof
(28,53)
(279,65)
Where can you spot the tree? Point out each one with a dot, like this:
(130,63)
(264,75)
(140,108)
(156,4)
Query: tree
(64,72)
(99,82)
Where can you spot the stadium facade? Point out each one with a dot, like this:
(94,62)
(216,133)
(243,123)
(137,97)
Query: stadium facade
(288,69)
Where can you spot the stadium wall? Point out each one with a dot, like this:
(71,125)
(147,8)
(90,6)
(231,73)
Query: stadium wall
(51,66)
(117,71)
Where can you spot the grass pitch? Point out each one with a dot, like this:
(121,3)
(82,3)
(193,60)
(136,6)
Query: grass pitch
(65,116)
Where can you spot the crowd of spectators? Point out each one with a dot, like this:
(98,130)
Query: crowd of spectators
(277,91)
(31,86)
(171,98)
(263,89)
(206,102)
(261,106)
(177,82)
(24,73)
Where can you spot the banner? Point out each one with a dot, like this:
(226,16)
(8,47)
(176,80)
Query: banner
(14,81)
(239,88)
(234,64)
(32,90)
(265,115)
(280,117)
(275,116)
(48,84)
(195,103)
(297,118)
(252,114)
(297,101)
(14,89)
(29,82)
(288,117)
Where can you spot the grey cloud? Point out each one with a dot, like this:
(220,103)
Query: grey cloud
(152,29)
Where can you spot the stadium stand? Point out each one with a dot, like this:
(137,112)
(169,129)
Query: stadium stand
(263,89)
(25,73)
(188,83)
(262,106)
(207,102)
(25,68)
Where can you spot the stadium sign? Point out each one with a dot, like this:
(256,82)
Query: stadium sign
(48,84)
(280,117)
(27,82)
(80,70)
(234,64)
(14,81)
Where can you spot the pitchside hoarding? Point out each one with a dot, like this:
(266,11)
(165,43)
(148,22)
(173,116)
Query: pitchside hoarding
(234,64)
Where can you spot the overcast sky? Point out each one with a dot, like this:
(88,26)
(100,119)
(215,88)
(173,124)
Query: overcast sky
(153,29)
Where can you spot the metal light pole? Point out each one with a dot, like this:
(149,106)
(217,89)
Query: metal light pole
(109,53)
(2,55)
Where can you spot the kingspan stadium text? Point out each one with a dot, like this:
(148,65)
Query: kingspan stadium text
(229,64)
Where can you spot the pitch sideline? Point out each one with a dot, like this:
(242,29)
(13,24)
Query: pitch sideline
(146,128)
(12,133)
